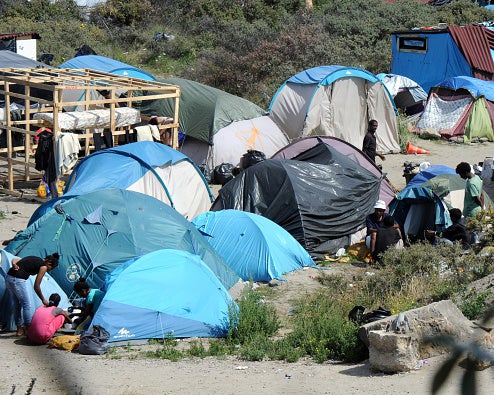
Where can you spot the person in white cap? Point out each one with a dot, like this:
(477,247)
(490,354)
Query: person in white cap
(375,221)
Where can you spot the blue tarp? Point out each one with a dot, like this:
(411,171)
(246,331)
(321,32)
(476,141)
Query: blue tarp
(253,246)
(473,85)
(107,65)
(441,60)
(173,294)
(427,174)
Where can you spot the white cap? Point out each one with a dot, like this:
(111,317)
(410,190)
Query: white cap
(381,204)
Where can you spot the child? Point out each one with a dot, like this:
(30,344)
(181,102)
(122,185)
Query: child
(93,299)
(47,320)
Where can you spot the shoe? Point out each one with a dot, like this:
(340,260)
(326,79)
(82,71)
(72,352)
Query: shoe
(21,331)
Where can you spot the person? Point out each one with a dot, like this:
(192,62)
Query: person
(370,145)
(386,237)
(457,232)
(47,320)
(473,201)
(17,284)
(93,298)
(375,221)
(165,135)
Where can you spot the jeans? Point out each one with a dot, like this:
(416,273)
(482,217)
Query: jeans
(23,299)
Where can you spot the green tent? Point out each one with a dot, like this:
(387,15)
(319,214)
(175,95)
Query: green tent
(203,110)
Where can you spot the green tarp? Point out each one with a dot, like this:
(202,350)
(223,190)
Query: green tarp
(479,122)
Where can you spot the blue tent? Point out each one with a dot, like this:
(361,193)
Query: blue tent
(97,232)
(427,57)
(48,287)
(253,246)
(147,167)
(107,65)
(173,293)
(423,203)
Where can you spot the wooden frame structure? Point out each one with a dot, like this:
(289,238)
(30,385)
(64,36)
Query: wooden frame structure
(55,91)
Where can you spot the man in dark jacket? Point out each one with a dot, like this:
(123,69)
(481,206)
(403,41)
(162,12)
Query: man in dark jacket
(370,145)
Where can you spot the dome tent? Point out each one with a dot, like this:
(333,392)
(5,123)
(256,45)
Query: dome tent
(253,246)
(97,232)
(146,167)
(336,101)
(167,298)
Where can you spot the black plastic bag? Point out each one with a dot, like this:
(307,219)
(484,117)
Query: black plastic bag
(94,342)
(223,173)
(251,158)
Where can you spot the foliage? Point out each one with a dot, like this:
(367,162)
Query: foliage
(253,319)
(472,304)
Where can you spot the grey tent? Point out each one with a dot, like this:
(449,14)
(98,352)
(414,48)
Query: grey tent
(321,205)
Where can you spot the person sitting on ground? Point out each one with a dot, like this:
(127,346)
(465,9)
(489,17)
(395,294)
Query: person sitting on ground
(386,237)
(375,221)
(17,282)
(47,320)
(93,300)
(457,232)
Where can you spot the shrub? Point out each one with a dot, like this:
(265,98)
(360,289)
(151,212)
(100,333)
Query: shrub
(471,303)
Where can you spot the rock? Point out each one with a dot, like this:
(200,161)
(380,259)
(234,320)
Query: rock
(275,283)
(392,352)
(440,318)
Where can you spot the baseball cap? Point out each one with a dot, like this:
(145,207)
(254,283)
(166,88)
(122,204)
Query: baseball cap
(380,204)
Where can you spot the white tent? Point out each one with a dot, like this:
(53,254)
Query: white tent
(336,101)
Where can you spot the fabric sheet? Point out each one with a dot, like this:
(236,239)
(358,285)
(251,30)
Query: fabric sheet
(91,119)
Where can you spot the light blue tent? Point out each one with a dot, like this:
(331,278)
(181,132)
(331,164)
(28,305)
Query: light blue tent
(253,246)
(48,287)
(97,232)
(107,65)
(173,293)
(336,101)
(146,167)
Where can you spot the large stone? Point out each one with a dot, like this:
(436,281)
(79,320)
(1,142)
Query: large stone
(392,352)
(440,318)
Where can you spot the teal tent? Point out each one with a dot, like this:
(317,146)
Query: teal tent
(97,232)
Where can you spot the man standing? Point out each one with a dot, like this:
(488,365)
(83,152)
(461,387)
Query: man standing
(473,200)
(369,146)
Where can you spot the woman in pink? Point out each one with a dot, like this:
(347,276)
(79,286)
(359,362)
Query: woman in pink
(46,321)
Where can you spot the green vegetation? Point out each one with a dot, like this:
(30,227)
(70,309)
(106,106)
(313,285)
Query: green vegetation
(247,48)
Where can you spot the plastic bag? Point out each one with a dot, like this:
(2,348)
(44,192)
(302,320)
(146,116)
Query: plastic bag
(43,189)
(206,172)
(94,342)
(223,173)
(251,158)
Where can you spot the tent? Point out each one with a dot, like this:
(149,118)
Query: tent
(253,246)
(48,287)
(97,232)
(146,167)
(219,127)
(107,65)
(297,148)
(425,202)
(321,206)
(336,101)
(407,94)
(169,289)
(460,106)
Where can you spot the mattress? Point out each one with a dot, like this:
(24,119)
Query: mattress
(91,119)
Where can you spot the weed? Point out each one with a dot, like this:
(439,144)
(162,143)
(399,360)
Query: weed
(472,304)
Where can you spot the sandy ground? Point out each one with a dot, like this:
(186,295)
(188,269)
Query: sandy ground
(36,369)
